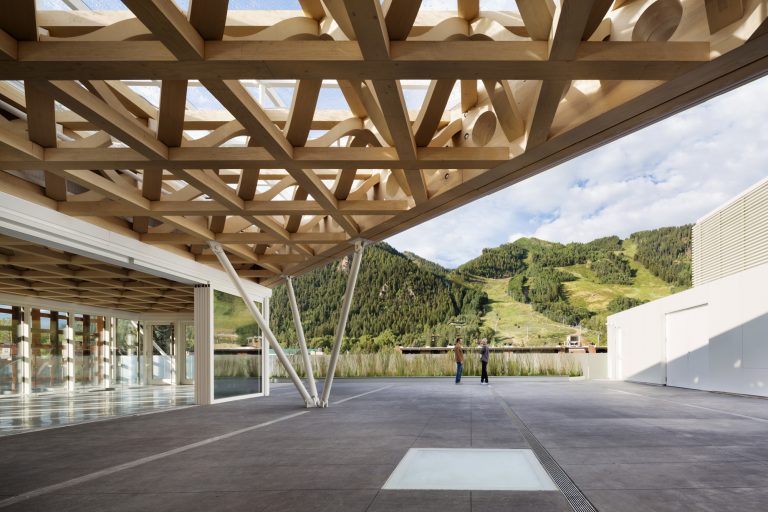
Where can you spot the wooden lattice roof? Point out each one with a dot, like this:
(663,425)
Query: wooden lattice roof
(32,270)
(285,135)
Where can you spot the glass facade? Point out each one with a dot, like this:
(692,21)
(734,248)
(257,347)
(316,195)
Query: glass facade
(129,362)
(238,359)
(45,350)
(10,318)
(46,338)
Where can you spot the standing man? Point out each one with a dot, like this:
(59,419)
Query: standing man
(485,353)
(459,353)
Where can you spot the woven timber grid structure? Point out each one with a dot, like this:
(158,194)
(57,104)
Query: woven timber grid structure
(285,186)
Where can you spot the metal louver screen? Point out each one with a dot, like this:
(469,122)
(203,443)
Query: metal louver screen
(733,238)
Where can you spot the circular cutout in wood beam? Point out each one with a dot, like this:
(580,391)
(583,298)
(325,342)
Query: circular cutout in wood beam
(484,128)
(659,21)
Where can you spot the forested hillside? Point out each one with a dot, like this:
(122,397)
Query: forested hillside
(538,292)
(399,298)
(666,252)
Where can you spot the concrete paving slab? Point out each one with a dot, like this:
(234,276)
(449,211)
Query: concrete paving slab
(629,447)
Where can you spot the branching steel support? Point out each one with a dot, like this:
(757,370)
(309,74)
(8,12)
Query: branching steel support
(342,326)
(301,338)
(268,334)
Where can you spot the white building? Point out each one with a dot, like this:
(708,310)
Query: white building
(715,335)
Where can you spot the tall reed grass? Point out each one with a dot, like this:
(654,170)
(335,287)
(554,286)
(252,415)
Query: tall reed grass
(395,364)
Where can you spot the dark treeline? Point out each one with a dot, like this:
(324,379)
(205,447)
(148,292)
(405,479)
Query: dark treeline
(503,261)
(397,300)
(666,252)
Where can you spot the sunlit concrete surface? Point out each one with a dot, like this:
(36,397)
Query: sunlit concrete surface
(627,447)
(40,411)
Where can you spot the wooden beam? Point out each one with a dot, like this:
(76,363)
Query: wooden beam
(302,110)
(294,221)
(164,19)
(505,107)
(193,208)
(39,158)
(537,16)
(9,47)
(721,13)
(571,24)
(389,95)
(107,118)
(235,98)
(151,188)
(369,27)
(399,17)
(343,184)
(308,180)
(20,147)
(469,9)
(313,9)
(19,20)
(41,124)
(247,237)
(208,182)
(208,17)
(173,100)
(246,187)
(431,112)
(343,60)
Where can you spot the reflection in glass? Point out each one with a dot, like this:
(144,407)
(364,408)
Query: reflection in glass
(163,345)
(127,356)
(88,331)
(10,318)
(189,352)
(46,341)
(237,356)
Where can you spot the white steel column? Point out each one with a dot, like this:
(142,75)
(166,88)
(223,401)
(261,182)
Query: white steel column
(267,332)
(266,359)
(68,355)
(25,363)
(203,344)
(342,326)
(300,336)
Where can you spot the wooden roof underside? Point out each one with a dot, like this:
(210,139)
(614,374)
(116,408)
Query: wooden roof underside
(32,270)
(286,189)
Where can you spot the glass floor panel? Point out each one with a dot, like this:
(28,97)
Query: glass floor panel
(470,469)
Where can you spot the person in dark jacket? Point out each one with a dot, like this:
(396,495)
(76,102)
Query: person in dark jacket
(459,353)
(485,353)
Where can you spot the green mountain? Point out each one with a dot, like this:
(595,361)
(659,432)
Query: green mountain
(526,292)
(399,298)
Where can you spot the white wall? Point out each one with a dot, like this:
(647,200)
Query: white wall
(711,337)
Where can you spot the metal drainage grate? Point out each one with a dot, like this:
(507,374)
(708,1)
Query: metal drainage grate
(576,499)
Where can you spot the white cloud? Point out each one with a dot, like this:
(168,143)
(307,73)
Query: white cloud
(670,173)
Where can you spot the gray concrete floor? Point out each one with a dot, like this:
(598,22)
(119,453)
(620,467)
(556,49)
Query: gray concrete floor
(628,447)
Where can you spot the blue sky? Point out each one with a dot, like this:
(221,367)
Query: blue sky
(670,173)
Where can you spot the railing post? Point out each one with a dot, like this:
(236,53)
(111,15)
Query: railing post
(222,257)
(301,338)
(342,325)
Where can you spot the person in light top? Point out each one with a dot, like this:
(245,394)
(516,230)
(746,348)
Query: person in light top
(485,353)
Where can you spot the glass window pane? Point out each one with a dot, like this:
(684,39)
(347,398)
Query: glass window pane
(237,348)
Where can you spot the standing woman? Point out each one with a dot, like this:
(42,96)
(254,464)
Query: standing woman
(459,353)
(485,353)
